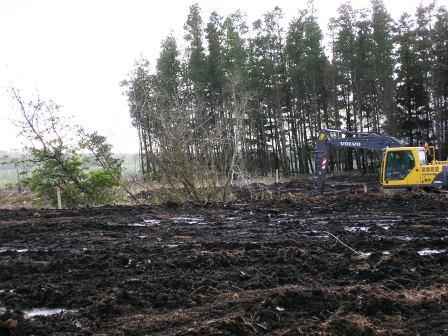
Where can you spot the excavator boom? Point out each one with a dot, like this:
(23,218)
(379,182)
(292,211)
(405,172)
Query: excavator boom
(345,139)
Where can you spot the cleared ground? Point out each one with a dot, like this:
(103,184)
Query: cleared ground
(339,264)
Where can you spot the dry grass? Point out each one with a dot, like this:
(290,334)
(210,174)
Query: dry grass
(433,294)
(11,199)
(354,322)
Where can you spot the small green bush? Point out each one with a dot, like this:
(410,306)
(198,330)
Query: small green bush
(78,185)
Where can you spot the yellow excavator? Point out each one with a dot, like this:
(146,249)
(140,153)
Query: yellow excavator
(402,167)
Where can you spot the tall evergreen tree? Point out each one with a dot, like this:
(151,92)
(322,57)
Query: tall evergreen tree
(308,100)
(344,59)
(235,91)
(168,72)
(215,59)
(363,74)
(412,95)
(440,79)
(139,91)
(196,71)
(344,62)
(383,64)
(424,61)
(268,80)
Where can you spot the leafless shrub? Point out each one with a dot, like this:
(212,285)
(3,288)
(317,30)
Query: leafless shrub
(187,154)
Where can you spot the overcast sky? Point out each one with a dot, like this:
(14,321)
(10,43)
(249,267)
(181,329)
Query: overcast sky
(77,52)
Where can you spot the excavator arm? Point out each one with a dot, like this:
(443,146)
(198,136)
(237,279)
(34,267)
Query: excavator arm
(345,139)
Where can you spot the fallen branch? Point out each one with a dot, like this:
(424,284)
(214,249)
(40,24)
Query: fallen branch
(344,244)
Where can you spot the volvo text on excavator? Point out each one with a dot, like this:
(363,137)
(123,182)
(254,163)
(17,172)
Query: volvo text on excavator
(401,166)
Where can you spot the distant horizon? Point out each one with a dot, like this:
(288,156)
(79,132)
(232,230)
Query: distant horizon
(17,151)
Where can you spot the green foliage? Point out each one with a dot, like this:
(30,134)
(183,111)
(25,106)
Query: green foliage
(168,69)
(215,57)
(69,173)
(49,174)
(413,94)
(196,62)
(101,185)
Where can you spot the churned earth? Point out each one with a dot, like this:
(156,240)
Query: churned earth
(344,263)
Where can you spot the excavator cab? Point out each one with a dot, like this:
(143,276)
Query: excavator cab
(413,167)
(401,166)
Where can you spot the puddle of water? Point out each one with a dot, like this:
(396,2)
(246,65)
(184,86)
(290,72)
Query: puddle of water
(405,238)
(408,238)
(356,229)
(4,250)
(362,255)
(386,222)
(402,238)
(188,220)
(287,215)
(146,223)
(426,252)
(45,312)
(284,220)
(151,221)
(385,226)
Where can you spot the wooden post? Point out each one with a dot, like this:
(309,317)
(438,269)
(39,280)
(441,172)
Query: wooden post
(58,194)
(276,176)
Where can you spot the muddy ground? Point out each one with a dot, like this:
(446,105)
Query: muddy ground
(345,263)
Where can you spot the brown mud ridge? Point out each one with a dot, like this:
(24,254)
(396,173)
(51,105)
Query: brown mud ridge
(338,264)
